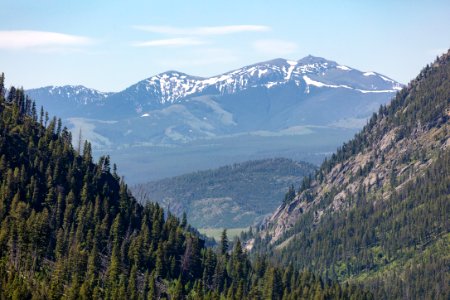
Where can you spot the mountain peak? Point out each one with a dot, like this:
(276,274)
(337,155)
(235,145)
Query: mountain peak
(392,174)
(68,88)
(175,73)
(172,85)
(310,59)
(276,62)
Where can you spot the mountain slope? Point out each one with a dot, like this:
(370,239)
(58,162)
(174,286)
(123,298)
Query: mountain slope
(64,100)
(175,87)
(377,210)
(233,196)
(70,229)
(269,102)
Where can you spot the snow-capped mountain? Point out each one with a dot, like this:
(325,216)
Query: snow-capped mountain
(171,86)
(65,100)
(77,94)
(309,71)
(267,100)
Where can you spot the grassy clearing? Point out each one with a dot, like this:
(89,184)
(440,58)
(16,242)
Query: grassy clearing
(216,233)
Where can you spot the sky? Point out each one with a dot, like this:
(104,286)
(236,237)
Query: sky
(110,45)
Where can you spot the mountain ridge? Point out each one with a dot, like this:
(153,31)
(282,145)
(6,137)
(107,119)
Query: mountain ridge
(272,102)
(70,229)
(305,65)
(332,167)
(232,196)
(376,212)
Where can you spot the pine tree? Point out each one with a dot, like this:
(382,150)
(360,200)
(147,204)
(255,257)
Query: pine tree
(69,228)
(224,243)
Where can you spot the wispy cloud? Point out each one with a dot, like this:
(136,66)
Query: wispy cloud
(275,47)
(206,30)
(28,39)
(175,42)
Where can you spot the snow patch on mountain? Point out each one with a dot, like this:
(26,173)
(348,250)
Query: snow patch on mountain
(396,85)
(171,86)
(345,68)
(309,81)
(376,91)
(292,65)
(75,94)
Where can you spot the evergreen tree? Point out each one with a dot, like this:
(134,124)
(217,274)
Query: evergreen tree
(69,228)
(224,243)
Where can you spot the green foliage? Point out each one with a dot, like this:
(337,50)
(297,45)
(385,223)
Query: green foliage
(425,101)
(369,239)
(290,195)
(233,196)
(69,228)
(391,236)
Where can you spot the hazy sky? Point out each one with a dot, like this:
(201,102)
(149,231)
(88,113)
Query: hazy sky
(109,45)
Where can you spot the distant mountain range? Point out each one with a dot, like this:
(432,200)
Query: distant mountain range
(68,99)
(269,101)
(70,228)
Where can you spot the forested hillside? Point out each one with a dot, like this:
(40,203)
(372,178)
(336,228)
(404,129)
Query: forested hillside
(377,212)
(69,228)
(232,196)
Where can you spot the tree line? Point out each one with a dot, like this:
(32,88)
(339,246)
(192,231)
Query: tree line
(70,228)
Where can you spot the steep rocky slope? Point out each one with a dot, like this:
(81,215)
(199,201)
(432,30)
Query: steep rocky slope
(399,142)
(377,210)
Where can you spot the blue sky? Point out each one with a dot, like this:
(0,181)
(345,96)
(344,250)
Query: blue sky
(109,45)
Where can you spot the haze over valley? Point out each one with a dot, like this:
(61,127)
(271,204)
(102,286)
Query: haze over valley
(174,123)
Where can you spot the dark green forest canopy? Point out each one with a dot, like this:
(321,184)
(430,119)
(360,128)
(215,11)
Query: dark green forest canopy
(233,196)
(391,229)
(70,228)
